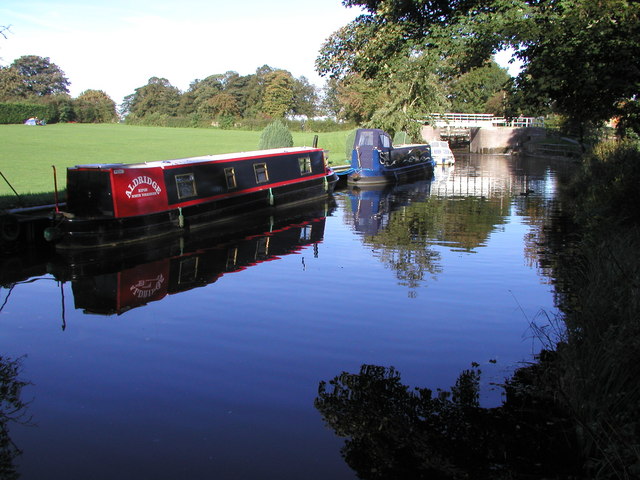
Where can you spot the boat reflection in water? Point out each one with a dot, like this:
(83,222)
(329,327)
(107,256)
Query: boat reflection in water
(398,240)
(114,282)
(372,206)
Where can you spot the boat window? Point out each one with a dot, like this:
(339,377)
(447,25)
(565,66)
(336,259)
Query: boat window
(186,185)
(230,175)
(188,270)
(262,175)
(305,233)
(305,165)
(385,141)
(262,248)
(366,138)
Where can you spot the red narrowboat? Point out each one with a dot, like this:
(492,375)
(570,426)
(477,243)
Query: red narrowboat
(116,204)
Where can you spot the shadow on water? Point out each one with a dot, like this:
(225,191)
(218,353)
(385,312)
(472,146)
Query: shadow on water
(392,431)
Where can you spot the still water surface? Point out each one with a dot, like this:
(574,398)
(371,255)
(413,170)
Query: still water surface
(202,358)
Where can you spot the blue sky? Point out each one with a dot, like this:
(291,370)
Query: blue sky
(117,45)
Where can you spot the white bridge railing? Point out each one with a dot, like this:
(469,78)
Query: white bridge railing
(468,120)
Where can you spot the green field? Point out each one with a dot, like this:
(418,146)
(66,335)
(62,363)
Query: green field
(28,153)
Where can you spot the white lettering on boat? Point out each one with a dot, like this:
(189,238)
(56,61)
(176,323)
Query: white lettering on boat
(136,189)
(147,288)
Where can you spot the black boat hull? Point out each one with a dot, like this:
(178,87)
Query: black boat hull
(102,232)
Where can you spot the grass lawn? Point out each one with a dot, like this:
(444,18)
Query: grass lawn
(27,153)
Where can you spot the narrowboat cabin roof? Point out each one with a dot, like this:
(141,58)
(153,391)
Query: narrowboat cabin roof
(222,157)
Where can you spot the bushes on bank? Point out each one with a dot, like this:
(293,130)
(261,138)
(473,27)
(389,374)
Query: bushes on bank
(275,135)
(605,191)
(19,112)
(598,361)
(60,108)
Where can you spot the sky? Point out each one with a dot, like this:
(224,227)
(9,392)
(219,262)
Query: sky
(117,45)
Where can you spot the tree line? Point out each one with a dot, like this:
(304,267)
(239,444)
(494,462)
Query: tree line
(220,99)
(225,100)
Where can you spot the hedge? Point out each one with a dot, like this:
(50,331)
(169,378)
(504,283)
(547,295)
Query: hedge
(19,112)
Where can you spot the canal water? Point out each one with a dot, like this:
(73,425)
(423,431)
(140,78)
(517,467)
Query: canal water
(201,357)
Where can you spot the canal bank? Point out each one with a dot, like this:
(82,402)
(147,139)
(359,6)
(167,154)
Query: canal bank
(596,365)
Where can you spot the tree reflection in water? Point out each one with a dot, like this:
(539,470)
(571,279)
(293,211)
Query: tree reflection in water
(402,223)
(12,409)
(392,431)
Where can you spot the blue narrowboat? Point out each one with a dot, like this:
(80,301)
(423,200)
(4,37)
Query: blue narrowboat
(374,159)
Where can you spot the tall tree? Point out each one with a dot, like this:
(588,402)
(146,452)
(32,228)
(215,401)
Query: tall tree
(94,106)
(10,84)
(581,57)
(407,50)
(40,77)
(199,94)
(278,94)
(157,96)
(305,98)
(473,91)
(222,103)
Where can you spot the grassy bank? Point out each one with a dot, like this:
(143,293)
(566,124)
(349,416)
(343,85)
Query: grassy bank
(27,153)
(597,364)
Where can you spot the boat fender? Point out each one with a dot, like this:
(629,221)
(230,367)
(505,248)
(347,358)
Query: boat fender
(51,234)
(9,228)
(271,199)
(180,218)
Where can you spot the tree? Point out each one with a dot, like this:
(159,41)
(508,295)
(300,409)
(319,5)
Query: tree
(40,77)
(472,91)
(408,52)
(222,103)
(331,104)
(200,93)
(95,106)
(581,57)
(278,94)
(10,84)
(305,98)
(158,96)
